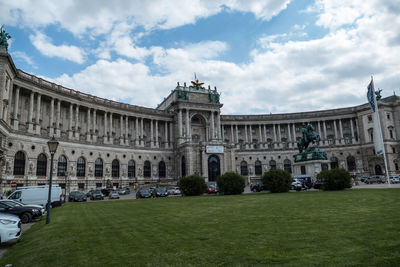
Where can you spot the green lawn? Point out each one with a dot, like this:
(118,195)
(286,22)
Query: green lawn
(352,227)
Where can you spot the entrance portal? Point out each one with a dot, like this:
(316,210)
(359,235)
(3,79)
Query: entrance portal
(214,169)
(378,170)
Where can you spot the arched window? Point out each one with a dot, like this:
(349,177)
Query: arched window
(41,165)
(161,169)
(243,168)
(147,169)
(258,168)
(98,168)
(269,142)
(80,167)
(272,164)
(115,168)
(19,163)
(351,163)
(61,166)
(334,163)
(287,165)
(131,168)
(183,167)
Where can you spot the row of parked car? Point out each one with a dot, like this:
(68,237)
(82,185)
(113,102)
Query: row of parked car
(151,192)
(380,179)
(298,184)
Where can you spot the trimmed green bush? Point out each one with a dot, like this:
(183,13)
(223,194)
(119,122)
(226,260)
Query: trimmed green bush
(192,185)
(335,179)
(231,183)
(277,181)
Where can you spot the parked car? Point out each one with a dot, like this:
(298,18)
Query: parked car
(89,194)
(97,195)
(174,191)
(382,179)
(17,203)
(211,189)
(38,195)
(124,191)
(25,213)
(10,227)
(297,185)
(395,179)
(362,179)
(76,196)
(105,191)
(318,184)
(161,192)
(257,187)
(113,195)
(371,180)
(145,193)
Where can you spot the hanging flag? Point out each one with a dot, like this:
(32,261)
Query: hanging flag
(378,140)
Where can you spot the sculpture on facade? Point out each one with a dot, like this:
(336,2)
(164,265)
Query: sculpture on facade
(4,38)
(378,94)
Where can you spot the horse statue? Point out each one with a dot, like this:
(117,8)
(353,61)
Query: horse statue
(309,136)
(4,38)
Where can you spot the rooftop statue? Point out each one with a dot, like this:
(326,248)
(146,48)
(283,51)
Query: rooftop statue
(196,83)
(378,94)
(309,136)
(4,38)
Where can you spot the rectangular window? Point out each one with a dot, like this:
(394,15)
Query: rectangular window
(388,116)
(330,141)
(81,186)
(267,130)
(328,126)
(297,129)
(369,118)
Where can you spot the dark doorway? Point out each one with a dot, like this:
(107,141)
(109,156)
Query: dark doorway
(214,169)
(378,170)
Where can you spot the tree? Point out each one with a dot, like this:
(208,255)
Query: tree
(231,183)
(277,181)
(335,179)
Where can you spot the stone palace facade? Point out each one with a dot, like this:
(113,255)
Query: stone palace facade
(103,142)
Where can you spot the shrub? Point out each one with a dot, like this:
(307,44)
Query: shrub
(277,181)
(231,183)
(192,185)
(335,179)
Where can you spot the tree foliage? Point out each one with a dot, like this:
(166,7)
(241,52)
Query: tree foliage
(192,185)
(277,181)
(231,183)
(335,179)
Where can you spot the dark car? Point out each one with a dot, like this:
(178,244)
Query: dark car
(89,194)
(371,180)
(25,213)
(318,184)
(105,191)
(76,196)
(97,195)
(124,191)
(113,195)
(145,193)
(161,192)
(257,187)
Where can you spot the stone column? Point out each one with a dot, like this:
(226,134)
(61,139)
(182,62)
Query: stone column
(51,122)
(260,139)
(94,126)
(111,130)
(137,132)
(275,141)
(265,136)
(353,140)
(188,135)
(38,114)
(151,134)
(335,129)
(289,136)
(16,109)
(77,126)
(279,136)
(171,134)
(294,134)
(251,136)
(88,126)
(232,140)
(105,128)
(236,133)
(341,131)
(180,123)
(319,132)
(156,135)
(222,132)
(218,126)
(165,134)
(141,133)
(212,126)
(121,128)
(324,126)
(127,131)
(71,113)
(58,118)
(356,134)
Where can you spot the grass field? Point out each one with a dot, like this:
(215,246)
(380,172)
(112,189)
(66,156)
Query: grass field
(352,227)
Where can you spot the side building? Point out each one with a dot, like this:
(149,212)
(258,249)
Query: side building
(103,142)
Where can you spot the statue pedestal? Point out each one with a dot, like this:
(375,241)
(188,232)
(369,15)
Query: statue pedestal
(310,162)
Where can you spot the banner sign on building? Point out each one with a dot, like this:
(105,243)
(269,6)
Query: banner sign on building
(215,149)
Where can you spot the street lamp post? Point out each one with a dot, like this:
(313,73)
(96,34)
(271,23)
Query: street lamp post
(52,144)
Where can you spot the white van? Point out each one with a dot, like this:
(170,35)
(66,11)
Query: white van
(37,195)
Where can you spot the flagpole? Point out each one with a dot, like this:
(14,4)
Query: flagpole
(380,133)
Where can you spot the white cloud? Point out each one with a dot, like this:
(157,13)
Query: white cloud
(68,52)
(23,56)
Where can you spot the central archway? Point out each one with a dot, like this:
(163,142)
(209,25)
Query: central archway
(214,168)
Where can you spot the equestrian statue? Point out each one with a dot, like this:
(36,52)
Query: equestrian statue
(309,136)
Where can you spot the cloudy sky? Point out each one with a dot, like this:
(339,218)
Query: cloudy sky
(270,56)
